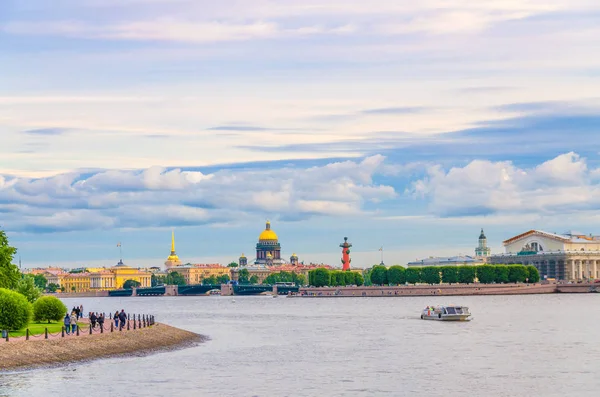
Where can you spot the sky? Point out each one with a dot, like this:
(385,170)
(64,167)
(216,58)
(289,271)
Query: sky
(399,124)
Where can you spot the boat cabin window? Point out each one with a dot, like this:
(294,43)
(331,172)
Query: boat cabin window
(459,310)
(450,310)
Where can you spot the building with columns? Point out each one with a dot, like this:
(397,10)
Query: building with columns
(570,256)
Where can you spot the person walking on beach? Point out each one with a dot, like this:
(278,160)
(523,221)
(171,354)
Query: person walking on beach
(81,311)
(67,322)
(73,323)
(122,319)
(116,319)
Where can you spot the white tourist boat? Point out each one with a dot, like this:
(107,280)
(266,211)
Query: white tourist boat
(446,313)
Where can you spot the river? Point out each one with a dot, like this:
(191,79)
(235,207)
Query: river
(537,345)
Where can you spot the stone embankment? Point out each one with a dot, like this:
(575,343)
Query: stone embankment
(21,354)
(449,290)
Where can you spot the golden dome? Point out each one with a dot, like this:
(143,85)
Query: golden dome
(268,234)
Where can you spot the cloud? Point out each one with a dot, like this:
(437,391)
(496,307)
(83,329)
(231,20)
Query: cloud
(170,29)
(238,128)
(558,187)
(169,197)
(47,131)
(396,110)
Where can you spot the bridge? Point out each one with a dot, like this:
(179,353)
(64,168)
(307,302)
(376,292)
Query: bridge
(200,289)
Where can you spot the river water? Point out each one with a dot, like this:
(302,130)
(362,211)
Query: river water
(538,345)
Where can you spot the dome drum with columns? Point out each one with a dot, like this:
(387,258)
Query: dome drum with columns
(268,249)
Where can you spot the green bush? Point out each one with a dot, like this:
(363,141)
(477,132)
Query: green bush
(430,275)
(15,311)
(359,279)
(349,278)
(517,273)
(129,284)
(396,275)
(48,308)
(533,274)
(379,275)
(486,274)
(413,275)
(466,274)
(450,274)
(320,277)
(501,274)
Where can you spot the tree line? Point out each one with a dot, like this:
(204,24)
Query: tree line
(322,277)
(485,274)
(20,295)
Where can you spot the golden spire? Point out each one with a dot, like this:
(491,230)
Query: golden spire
(173,242)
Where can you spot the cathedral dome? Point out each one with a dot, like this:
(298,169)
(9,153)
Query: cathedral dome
(268,234)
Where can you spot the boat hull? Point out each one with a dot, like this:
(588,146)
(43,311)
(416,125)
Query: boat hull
(447,317)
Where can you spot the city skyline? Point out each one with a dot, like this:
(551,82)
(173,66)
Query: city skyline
(408,126)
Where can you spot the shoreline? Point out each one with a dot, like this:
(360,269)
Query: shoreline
(444,290)
(21,355)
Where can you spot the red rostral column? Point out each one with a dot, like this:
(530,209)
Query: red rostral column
(346,254)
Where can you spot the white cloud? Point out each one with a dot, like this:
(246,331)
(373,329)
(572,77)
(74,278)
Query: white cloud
(161,197)
(560,185)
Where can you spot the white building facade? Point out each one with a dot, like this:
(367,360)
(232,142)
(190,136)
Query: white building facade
(570,256)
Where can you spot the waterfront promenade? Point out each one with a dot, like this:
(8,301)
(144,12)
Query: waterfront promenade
(448,290)
(19,353)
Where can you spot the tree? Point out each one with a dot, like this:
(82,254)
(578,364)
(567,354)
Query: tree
(212,280)
(533,274)
(129,284)
(431,275)
(486,274)
(48,308)
(501,274)
(358,279)
(367,277)
(9,273)
(175,278)
(413,275)
(379,275)
(300,279)
(449,274)
(40,281)
(223,279)
(233,264)
(466,274)
(396,275)
(320,277)
(156,280)
(26,287)
(349,278)
(15,311)
(253,279)
(517,273)
(52,287)
(244,276)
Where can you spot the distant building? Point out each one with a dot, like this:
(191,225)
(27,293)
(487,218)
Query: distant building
(173,259)
(195,274)
(482,250)
(97,279)
(268,249)
(447,261)
(568,256)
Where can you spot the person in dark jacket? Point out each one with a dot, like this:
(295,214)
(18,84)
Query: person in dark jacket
(122,318)
(101,320)
(116,319)
(67,322)
(93,319)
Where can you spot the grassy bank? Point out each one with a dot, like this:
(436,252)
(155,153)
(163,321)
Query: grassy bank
(35,353)
(38,328)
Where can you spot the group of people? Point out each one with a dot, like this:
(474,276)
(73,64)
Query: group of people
(70,322)
(96,319)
